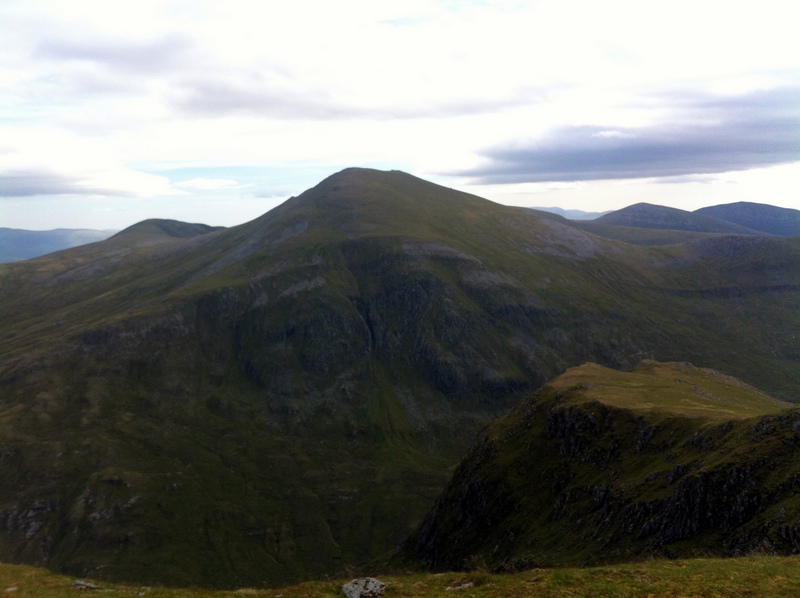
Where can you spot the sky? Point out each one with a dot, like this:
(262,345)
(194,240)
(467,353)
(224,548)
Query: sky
(216,112)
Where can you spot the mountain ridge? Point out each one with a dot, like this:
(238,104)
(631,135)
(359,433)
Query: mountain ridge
(645,215)
(20,244)
(762,217)
(283,399)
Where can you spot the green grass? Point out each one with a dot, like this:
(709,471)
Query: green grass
(676,388)
(757,577)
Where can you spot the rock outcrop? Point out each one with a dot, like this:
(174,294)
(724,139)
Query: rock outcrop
(577,476)
(364,587)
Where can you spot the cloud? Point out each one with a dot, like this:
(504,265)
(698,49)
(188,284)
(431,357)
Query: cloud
(28,183)
(119,182)
(133,56)
(268,92)
(707,135)
(205,184)
(704,179)
(251,93)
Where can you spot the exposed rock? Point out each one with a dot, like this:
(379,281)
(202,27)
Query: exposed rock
(80,584)
(463,586)
(364,587)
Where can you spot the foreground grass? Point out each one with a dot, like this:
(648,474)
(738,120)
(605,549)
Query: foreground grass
(751,576)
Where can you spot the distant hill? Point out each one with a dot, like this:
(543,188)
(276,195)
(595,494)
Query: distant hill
(168,228)
(572,214)
(645,215)
(18,244)
(603,466)
(756,216)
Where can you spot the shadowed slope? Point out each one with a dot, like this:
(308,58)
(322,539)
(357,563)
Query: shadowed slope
(603,466)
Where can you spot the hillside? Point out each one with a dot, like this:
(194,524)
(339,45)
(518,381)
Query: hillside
(644,215)
(156,227)
(602,466)
(284,399)
(772,576)
(18,244)
(761,217)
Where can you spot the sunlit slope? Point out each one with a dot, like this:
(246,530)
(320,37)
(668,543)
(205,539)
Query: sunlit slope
(603,466)
(667,388)
(284,399)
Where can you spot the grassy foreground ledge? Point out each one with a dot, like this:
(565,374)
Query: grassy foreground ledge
(750,576)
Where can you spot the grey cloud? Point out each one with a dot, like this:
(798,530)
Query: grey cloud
(689,178)
(260,94)
(709,135)
(28,183)
(222,96)
(129,56)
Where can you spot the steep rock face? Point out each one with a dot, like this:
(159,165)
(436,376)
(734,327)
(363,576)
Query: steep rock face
(564,481)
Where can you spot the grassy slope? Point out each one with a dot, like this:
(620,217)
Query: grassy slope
(673,388)
(729,578)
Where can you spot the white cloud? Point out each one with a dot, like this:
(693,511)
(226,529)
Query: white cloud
(201,184)
(615,134)
(49,161)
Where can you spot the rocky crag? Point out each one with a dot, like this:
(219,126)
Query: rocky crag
(601,466)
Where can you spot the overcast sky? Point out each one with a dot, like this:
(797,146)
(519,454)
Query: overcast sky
(112,112)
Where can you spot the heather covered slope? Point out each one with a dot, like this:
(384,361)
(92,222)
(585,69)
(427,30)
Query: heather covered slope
(602,466)
(283,399)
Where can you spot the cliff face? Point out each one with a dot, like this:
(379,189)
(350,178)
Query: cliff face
(571,479)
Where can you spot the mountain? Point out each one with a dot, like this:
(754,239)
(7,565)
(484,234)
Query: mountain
(602,466)
(284,399)
(160,228)
(18,244)
(644,215)
(761,217)
(647,224)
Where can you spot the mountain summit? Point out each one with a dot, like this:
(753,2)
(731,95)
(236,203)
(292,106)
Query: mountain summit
(283,399)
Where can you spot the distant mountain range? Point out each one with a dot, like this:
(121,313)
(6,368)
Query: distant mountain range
(644,215)
(741,217)
(285,399)
(18,244)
